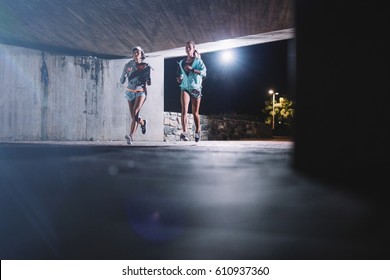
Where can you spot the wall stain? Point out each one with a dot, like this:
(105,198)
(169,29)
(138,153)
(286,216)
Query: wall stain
(96,69)
(45,98)
(93,65)
(91,68)
(44,72)
(63,62)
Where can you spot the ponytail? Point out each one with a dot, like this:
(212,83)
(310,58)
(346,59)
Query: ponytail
(197,54)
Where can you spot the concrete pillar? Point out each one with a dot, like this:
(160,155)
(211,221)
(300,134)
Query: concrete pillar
(342,90)
(46,96)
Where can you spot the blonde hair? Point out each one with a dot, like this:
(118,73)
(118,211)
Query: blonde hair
(196,53)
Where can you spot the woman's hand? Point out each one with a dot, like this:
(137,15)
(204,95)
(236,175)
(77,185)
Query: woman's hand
(128,71)
(188,68)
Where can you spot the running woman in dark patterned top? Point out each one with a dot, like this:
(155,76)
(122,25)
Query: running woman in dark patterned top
(137,73)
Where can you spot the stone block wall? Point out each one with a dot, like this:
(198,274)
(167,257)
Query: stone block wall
(215,128)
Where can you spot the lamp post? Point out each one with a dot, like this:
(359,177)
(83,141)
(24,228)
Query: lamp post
(273,107)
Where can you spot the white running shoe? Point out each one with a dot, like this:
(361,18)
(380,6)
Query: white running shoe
(129,139)
(183,137)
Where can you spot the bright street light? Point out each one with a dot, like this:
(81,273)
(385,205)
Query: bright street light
(273,107)
(227,56)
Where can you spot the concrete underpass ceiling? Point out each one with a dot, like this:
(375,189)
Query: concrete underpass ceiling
(110,28)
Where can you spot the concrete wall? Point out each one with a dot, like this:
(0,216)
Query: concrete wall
(53,97)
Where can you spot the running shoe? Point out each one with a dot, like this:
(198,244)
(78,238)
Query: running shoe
(183,137)
(143,127)
(129,139)
(197,136)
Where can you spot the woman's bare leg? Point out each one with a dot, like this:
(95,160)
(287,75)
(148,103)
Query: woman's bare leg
(185,101)
(133,124)
(195,102)
(139,101)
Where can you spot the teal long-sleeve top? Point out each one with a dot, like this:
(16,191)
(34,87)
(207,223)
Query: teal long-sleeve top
(191,80)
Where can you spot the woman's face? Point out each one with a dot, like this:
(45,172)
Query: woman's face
(189,49)
(137,55)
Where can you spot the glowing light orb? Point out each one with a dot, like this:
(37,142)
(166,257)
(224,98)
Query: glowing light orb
(227,56)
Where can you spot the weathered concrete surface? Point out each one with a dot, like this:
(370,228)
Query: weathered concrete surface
(52,97)
(210,200)
(110,28)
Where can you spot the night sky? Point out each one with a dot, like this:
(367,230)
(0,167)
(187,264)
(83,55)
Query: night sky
(240,86)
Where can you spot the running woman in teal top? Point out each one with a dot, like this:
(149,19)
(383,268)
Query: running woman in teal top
(190,74)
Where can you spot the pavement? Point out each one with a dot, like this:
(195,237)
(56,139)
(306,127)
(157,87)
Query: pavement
(178,201)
